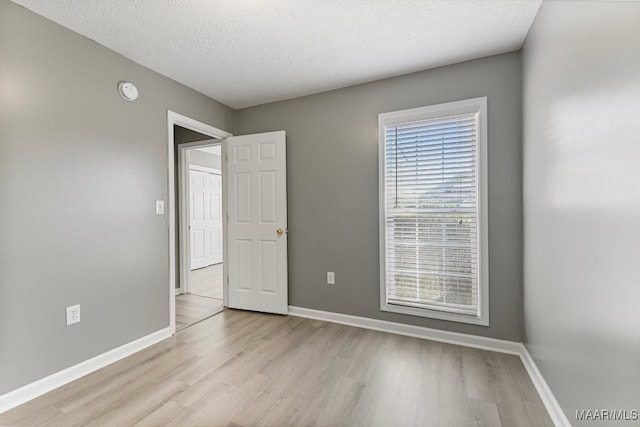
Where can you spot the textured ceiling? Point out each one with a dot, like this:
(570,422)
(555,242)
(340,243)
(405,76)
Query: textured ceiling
(248,52)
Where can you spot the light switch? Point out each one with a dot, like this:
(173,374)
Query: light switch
(331,278)
(159,207)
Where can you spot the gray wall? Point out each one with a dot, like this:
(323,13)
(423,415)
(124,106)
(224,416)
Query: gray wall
(182,135)
(80,170)
(201,158)
(332,168)
(582,202)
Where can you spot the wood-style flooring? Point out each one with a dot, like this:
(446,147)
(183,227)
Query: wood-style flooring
(204,300)
(207,282)
(191,309)
(250,369)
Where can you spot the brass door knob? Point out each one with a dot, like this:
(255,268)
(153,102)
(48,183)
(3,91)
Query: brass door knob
(280,231)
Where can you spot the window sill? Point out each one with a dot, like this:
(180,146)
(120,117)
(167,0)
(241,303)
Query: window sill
(434,314)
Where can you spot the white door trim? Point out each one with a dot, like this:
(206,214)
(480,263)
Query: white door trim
(174,118)
(205,169)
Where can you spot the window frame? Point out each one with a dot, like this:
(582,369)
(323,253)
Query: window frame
(474,105)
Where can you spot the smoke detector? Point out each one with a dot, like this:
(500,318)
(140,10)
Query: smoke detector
(128,91)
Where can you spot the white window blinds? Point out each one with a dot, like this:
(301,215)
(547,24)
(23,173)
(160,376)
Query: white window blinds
(431,214)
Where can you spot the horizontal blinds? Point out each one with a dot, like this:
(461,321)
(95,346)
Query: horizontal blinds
(431,214)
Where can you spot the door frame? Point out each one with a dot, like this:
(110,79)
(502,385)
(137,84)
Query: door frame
(174,118)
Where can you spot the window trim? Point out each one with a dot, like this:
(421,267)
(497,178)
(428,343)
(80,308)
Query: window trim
(475,105)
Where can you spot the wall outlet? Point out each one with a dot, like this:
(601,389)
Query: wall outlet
(73,314)
(331,278)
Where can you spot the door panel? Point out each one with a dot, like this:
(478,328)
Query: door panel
(216,245)
(243,275)
(268,267)
(243,197)
(257,200)
(268,197)
(198,245)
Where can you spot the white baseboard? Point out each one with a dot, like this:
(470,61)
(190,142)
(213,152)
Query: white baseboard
(31,391)
(484,343)
(553,407)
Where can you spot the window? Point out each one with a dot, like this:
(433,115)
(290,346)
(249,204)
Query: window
(433,212)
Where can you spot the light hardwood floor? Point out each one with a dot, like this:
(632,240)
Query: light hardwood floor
(191,309)
(249,369)
(205,298)
(207,282)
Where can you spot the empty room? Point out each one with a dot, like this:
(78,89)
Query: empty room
(319,213)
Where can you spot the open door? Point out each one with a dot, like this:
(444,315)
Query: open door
(256,178)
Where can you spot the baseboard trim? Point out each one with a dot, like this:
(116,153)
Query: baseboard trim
(31,391)
(553,407)
(475,341)
(501,346)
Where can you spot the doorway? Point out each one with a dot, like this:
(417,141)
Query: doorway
(185,137)
(199,293)
(254,204)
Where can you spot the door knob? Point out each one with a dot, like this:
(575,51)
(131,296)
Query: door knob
(280,231)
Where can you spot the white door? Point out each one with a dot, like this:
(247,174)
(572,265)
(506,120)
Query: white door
(206,218)
(257,207)
(214,249)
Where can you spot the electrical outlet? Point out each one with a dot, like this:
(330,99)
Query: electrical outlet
(73,314)
(331,278)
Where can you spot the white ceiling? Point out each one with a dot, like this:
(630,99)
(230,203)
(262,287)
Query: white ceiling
(249,52)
